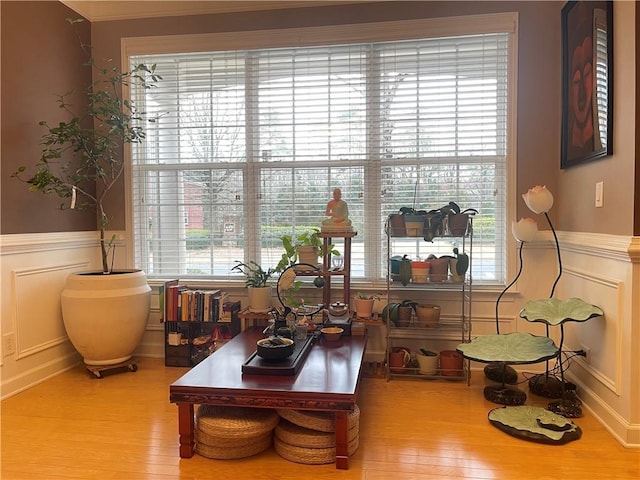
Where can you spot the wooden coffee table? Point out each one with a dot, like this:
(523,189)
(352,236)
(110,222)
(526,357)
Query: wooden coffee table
(328,381)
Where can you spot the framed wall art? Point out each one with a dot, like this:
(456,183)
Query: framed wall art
(587,81)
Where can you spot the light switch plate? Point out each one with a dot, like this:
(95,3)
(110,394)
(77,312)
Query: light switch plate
(599,194)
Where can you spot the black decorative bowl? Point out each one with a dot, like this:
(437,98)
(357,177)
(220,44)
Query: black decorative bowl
(275,348)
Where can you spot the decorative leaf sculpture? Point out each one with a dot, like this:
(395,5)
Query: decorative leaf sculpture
(554,312)
(511,348)
(535,424)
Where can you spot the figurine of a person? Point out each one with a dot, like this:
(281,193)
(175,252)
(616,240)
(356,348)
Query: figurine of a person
(338,212)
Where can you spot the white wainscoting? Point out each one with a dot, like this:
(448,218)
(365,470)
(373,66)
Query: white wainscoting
(604,270)
(601,269)
(34,268)
(35,296)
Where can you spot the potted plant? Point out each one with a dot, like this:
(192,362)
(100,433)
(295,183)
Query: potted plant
(448,219)
(364,304)
(400,269)
(256,279)
(304,248)
(82,159)
(427,361)
(399,313)
(457,223)
(414,221)
(438,268)
(458,265)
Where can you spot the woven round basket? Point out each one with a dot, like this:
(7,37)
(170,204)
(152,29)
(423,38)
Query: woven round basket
(305,437)
(311,456)
(228,442)
(316,420)
(235,422)
(228,453)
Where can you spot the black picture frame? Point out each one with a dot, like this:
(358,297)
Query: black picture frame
(587,81)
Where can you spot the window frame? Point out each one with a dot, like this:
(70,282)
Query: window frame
(341,34)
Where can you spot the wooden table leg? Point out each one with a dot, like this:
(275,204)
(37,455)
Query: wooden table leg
(185,429)
(342,439)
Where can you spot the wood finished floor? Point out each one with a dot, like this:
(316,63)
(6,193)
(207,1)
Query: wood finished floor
(123,427)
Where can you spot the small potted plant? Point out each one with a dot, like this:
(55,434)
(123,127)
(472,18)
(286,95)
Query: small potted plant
(427,361)
(399,313)
(305,248)
(256,279)
(364,304)
(447,220)
(458,265)
(414,221)
(438,268)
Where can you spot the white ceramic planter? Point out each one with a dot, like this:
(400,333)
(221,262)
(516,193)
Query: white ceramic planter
(363,307)
(259,299)
(428,364)
(105,316)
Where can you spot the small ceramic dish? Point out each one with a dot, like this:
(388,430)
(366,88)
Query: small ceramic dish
(332,333)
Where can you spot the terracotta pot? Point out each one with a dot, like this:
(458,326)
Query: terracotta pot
(438,269)
(404,316)
(398,359)
(451,363)
(397,226)
(307,254)
(419,272)
(458,224)
(428,314)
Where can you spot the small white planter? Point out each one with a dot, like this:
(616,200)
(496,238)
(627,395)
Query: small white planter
(428,363)
(363,307)
(259,299)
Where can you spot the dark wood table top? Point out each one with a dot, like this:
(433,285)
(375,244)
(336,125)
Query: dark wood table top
(328,380)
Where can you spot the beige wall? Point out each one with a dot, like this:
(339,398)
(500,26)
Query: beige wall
(576,186)
(41,58)
(538,134)
(34,36)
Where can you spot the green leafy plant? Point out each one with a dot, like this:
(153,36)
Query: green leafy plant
(428,353)
(436,218)
(462,264)
(309,238)
(255,275)
(82,158)
(368,296)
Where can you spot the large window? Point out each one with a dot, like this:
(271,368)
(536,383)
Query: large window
(250,143)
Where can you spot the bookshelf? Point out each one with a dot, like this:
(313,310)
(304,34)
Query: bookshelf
(197,321)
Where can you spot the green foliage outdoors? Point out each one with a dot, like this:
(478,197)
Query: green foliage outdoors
(198,239)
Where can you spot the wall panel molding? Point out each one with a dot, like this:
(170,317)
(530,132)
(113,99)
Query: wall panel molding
(616,247)
(44,242)
(36,298)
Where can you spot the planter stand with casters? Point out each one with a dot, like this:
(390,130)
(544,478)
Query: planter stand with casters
(97,370)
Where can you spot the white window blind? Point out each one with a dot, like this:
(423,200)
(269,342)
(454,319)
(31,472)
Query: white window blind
(249,145)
